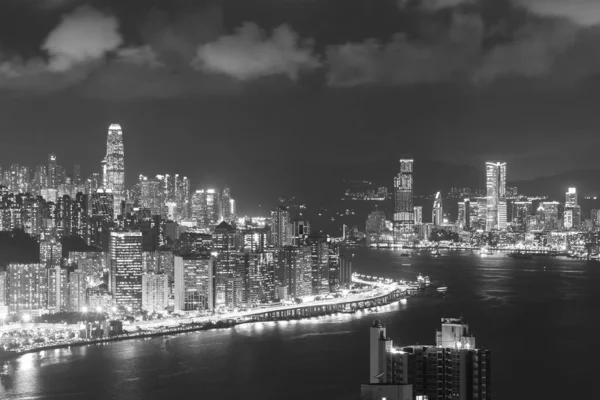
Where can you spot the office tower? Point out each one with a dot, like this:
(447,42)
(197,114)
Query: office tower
(293,272)
(101,215)
(403,202)
(520,211)
(125,263)
(225,212)
(77,291)
(280,228)
(155,292)
(114,167)
(452,369)
(375,227)
(40,178)
(595,216)
(28,289)
(206,207)
(437,215)
(3,289)
(496,195)
(77,174)
(548,215)
(418,210)
(194,288)
(345,268)
(257,273)
(572,214)
(299,231)
(464,214)
(254,240)
(319,247)
(152,195)
(52,171)
(571,197)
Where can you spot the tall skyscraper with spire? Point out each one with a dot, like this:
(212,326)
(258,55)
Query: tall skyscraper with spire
(113,166)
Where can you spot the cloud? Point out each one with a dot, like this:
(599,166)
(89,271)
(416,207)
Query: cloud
(143,56)
(402,61)
(433,5)
(83,35)
(250,53)
(533,52)
(582,12)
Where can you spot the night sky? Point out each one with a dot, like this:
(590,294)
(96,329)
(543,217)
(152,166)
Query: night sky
(274,101)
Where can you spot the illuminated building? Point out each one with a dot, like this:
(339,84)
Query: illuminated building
(91,263)
(152,196)
(206,208)
(319,264)
(496,195)
(254,240)
(548,212)
(437,215)
(32,211)
(27,288)
(114,167)
(403,202)
(293,272)
(227,206)
(77,291)
(280,227)
(50,252)
(155,292)
(520,211)
(345,274)
(595,214)
(452,369)
(3,289)
(375,228)
(418,210)
(79,216)
(464,214)
(101,217)
(99,299)
(299,231)
(194,284)
(572,214)
(125,263)
(52,171)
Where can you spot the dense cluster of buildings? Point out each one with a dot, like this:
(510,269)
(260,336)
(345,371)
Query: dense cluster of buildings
(453,368)
(155,247)
(470,214)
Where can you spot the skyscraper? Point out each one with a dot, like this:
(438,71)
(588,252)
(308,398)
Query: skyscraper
(114,166)
(403,202)
(51,180)
(125,277)
(496,195)
(437,215)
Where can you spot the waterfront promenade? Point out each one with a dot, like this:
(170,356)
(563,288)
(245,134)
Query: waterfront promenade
(378,293)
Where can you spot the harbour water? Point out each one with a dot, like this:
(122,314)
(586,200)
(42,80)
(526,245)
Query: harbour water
(538,316)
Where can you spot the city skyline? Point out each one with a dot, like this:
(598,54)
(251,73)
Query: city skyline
(239,116)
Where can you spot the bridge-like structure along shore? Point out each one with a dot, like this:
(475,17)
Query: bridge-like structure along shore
(392,293)
(312,310)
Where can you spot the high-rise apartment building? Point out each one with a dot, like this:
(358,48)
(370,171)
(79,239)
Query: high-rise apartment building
(114,167)
(418,210)
(28,288)
(403,202)
(125,263)
(77,291)
(496,195)
(453,368)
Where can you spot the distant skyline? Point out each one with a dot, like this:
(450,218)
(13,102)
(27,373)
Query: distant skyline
(191,100)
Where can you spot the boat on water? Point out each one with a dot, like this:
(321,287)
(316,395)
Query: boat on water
(521,255)
(435,252)
(442,289)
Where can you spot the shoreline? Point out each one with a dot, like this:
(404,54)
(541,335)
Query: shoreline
(225,324)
